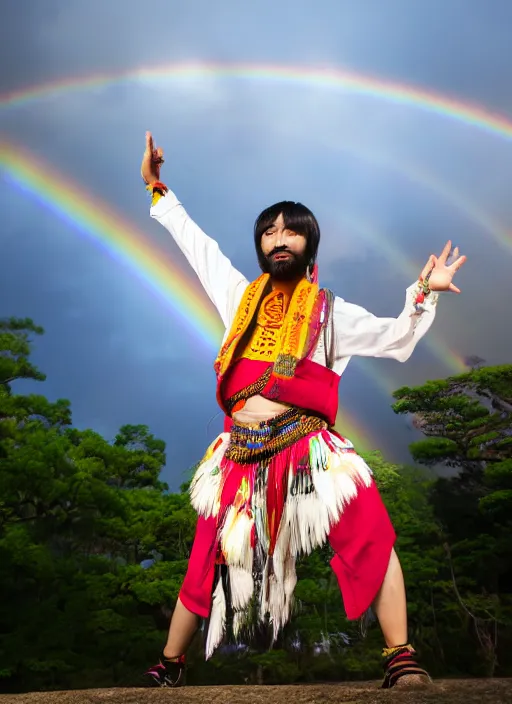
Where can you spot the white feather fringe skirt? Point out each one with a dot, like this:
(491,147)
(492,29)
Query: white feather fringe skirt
(275,488)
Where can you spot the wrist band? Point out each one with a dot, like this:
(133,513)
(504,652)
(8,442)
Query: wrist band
(157,186)
(423,292)
(157,190)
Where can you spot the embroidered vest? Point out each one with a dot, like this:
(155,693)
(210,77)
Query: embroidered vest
(292,377)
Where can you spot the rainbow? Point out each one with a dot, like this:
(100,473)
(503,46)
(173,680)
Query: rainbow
(397,259)
(152,266)
(421,177)
(325,78)
(470,114)
(334,78)
(464,204)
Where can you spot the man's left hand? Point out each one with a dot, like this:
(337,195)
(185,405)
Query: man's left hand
(443,273)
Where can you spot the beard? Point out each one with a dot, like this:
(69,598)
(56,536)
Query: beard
(290,269)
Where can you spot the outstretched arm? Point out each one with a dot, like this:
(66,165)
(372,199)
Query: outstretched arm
(359,332)
(222,282)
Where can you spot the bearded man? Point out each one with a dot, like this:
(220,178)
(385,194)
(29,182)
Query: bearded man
(280,481)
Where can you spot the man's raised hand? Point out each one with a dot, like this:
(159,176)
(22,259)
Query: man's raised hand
(442,273)
(151,161)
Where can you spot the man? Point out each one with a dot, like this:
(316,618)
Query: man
(280,481)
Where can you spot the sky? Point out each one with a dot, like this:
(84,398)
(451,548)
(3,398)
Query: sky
(272,107)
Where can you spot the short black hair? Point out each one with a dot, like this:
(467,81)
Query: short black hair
(297,218)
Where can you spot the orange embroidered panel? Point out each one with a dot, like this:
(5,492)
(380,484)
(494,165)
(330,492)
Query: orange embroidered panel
(282,326)
(264,344)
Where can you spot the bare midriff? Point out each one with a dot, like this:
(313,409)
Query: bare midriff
(257,408)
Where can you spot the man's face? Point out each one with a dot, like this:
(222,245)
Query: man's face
(285,251)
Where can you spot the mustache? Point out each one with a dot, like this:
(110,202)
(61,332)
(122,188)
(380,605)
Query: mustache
(280,250)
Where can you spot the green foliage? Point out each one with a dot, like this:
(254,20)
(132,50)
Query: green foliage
(94,548)
(466,418)
(468,423)
(15,350)
(78,516)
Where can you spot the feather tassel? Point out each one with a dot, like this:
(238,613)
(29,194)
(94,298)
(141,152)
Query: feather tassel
(235,539)
(217,625)
(239,621)
(207,481)
(241,586)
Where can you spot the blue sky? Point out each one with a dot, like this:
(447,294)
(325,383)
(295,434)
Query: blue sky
(386,181)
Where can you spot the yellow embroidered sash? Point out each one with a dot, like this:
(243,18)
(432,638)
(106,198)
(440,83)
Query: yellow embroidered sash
(263,342)
(294,332)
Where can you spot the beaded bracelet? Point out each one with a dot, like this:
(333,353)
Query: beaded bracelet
(157,186)
(157,190)
(423,292)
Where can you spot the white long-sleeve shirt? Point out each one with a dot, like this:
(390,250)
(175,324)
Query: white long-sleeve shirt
(356,330)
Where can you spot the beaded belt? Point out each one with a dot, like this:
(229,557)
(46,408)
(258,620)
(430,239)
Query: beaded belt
(253,442)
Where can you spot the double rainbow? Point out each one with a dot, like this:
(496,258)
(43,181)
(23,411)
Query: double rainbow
(151,265)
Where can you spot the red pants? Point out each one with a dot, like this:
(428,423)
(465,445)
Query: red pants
(362,541)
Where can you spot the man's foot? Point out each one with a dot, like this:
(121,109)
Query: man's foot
(401,668)
(168,673)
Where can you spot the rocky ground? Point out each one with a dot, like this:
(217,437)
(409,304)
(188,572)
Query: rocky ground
(444,691)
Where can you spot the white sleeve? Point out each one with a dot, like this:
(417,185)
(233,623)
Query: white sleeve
(222,282)
(361,333)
